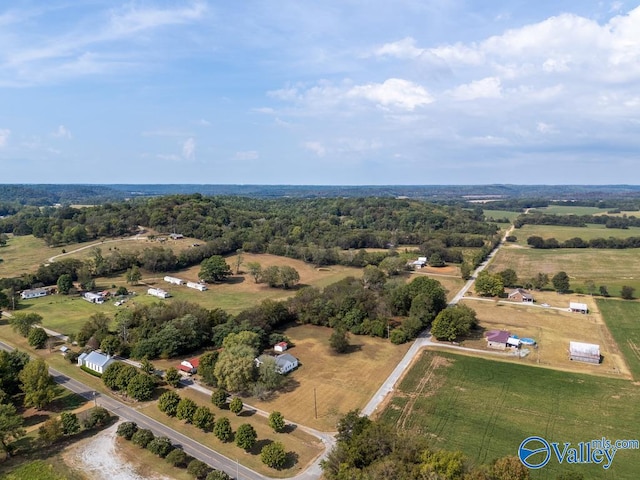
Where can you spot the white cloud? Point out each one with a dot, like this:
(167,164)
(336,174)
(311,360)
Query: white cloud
(4,137)
(489,87)
(204,123)
(62,132)
(133,19)
(394,93)
(405,48)
(247,155)
(189,148)
(315,147)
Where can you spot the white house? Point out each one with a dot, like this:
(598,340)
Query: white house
(578,307)
(584,352)
(95,361)
(189,366)
(174,280)
(198,286)
(34,293)
(94,297)
(284,362)
(420,262)
(158,292)
(176,236)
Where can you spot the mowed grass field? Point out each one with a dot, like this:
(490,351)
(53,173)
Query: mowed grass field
(612,268)
(339,382)
(486,408)
(570,210)
(621,317)
(24,254)
(553,329)
(562,232)
(500,214)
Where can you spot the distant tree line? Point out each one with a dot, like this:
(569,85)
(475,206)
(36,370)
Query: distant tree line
(536,241)
(609,221)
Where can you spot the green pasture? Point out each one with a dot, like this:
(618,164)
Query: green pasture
(621,317)
(562,233)
(23,255)
(486,408)
(500,214)
(612,268)
(570,210)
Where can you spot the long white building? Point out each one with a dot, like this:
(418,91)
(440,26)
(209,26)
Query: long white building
(198,286)
(158,292)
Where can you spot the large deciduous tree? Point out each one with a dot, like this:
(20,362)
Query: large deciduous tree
(274,455)
(235,368)
(38,386)
(454,322)
(214,269)
(560,282)
(246,436)
(23,322)
(141,387)
(489,285)
(11,425)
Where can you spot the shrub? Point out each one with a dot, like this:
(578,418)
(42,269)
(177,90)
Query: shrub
(97,418)
(160,446)
(186,409)
(203,418)
(273,455)
(177,458)
(218,475)
(141,387)
(219,398)
(172,377)
(198,469)
(276,421)
(168,403)
(70,423)
(246,436)
(142,437)
(127,429)
(236,406)
(222,429)
(37,337)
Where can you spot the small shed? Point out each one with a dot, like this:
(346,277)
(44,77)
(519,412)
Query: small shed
(189,366)
(497,339)
(520,295)
(280,347)
(578,307)
(584,352)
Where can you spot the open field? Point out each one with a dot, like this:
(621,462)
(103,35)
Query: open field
(552,329)
(562,233)
(486,408)
(570,210)
(340,382)
(304,446)
(146,464)
(613,268)
(23,254)
(500,214)
(621,316)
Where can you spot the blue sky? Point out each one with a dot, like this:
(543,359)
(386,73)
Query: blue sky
(332,92)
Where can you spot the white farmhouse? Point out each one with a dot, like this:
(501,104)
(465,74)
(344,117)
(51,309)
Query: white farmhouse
(95,361)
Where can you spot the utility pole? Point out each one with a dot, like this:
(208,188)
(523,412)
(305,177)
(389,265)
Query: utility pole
(315,402)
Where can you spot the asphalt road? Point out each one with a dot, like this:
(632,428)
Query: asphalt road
(125,412)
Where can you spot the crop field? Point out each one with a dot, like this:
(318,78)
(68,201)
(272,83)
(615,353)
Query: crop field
(612,268)
(621,316)
(553,329)
(486,408)
(570,210)
(330,377)
(562,233)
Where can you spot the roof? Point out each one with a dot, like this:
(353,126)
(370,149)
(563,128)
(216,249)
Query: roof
(64,348)
(500,336)
(184,368)
(584,349)
(513,341)
(577,306)
(285,358)
(97,359)
(522,292)
(195,362)
(282,344)
(82,356)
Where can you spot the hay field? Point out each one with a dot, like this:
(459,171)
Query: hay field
(613,268)
(486,408)
(562,232)
(621,316)
(341,382)
(570,210)
(553,330)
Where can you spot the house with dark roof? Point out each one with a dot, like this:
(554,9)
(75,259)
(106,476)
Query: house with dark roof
(497,339)
(520,295)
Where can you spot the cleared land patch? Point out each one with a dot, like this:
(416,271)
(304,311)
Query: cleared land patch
(341,382)
(486,408)
(563,233)
(553,330)
(570,210)
(612,268)
(621,316)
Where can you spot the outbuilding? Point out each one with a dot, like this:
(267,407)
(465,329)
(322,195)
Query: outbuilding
(158,292)
(280,347)
(197,286)
(578,307)
(174,280)
(497,339)
(584,352)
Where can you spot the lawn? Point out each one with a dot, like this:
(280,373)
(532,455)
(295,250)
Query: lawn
(337,382)
(304,447)
(612,268)
(621,316)
(553,329)
(486,408)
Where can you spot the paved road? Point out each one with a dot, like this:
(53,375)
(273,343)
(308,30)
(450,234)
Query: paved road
(125,412)
(424,340)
